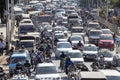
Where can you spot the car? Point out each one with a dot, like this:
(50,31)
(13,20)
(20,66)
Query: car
(78,30)
(94,36)
(62,47)
(116,62)
(76,57)
(108,57)
(61,37)
(29,44)
(20,55)
(92,25)
(74,40)
(106,41)
(88,75)
(111,74)
(90,51)
(47,71)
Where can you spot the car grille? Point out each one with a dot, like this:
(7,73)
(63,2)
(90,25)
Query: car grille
(50,78)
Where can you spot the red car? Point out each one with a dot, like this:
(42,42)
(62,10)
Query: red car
(106,41)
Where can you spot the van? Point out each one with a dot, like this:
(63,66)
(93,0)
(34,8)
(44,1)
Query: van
(111,74)
(92,76)
(18,12)
(24,28)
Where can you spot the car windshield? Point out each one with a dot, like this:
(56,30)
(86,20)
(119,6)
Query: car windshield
(106,32)
(106,54)
(27,44)
(76,39)
(74,55)
(95,33)
(106,38)
(77,30)
(64,45)
(90,48)
(93,26)
(17,59)
(113,77)
(60,36)
(46,70)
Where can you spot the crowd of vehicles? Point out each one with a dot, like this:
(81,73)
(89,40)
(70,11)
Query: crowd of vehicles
(59,28)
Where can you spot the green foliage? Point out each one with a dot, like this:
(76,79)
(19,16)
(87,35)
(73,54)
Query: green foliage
(115,3)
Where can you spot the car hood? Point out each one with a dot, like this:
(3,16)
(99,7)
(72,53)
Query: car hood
(77,59)
(90,52)
(49,76)
(107,41)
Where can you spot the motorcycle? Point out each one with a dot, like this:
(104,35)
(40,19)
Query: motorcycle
(73,74)
(27,71)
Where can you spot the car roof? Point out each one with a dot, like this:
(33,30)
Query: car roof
(77,27)
(27,40)
(45,64)
(96,30)
(62,42)
(59,33)
(110,72)
(92,75)
(76,36)
(18,54)
(74,51)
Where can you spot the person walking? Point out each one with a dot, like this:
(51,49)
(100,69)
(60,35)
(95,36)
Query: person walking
(2,47)
(1,36)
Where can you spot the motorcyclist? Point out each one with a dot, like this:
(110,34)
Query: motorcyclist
(68,63)
(95,65)
(101,62)
(79,45)
(19,67)
(27,66)
(62,60)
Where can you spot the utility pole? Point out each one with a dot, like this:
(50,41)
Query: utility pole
(7,25)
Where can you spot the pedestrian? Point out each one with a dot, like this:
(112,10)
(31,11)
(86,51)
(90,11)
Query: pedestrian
(114,36)
(2,46)
(2,36)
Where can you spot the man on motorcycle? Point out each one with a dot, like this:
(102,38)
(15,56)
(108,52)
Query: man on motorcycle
(80,45)
(62,60)
(101,62)
(27,66)
(19,67)
(68,63)
(95,65)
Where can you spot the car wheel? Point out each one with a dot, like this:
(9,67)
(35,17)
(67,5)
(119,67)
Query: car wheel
(112,49)
(11,75)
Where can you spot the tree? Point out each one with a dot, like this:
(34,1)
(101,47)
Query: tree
(115,3)
(3,7)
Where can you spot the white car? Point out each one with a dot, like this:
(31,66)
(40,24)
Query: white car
(79,30)
(76,56)
(47,71)
(62,47)
(74,40)
(90,51)
(61,37)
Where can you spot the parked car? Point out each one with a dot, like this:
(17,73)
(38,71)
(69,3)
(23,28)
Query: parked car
(47,71)
(90,51)
(62,47)
(106,41)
